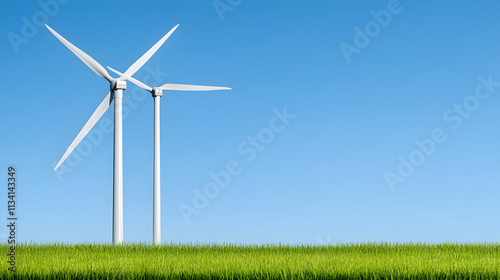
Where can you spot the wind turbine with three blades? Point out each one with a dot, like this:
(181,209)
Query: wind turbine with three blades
(117,86)
(157,92)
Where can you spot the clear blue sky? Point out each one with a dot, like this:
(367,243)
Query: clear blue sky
(360,102)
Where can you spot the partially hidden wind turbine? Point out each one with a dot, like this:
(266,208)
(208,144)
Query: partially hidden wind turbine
(157,92)
(117,86)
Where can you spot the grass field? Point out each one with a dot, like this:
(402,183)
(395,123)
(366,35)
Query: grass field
(351,261)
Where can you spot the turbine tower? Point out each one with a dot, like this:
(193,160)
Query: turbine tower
(157,92)
(117,86)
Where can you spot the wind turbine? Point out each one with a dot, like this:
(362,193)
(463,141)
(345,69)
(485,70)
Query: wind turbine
(117,86)
(157,92)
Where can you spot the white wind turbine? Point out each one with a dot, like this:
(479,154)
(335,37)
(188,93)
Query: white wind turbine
(157,92)
(116,88)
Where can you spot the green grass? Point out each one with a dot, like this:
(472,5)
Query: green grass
(351,261)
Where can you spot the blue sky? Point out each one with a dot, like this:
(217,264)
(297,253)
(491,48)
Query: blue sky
(362,93)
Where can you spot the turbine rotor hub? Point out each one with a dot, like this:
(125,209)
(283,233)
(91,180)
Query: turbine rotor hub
(119,84)
(157,92)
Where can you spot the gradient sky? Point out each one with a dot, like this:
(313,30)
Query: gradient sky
(320,179)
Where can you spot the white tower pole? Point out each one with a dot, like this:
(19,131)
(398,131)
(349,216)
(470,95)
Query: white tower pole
(118,165)
(157,92)
(156,171)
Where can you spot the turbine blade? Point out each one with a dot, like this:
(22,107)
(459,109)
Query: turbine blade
(87,127)
(138,83)
(91,63)
(145,57)
(190,87)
